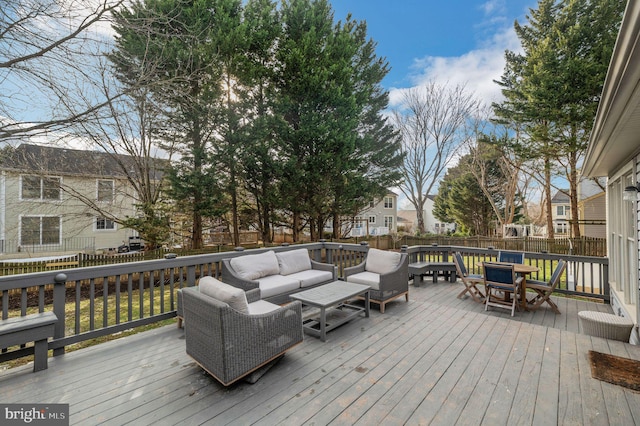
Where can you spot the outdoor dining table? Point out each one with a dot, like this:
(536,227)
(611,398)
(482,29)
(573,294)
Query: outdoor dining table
(524,270)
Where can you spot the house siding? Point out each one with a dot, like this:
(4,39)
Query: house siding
(635,337)
(623,220)
(380,214)
(592,210)
(77,219)
(614,146)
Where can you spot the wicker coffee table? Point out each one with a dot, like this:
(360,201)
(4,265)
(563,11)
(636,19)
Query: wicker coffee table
(334,311)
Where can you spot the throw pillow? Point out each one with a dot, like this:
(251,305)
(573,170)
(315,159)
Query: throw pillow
(254,266)
(381,262)
(293,261)
(232,296)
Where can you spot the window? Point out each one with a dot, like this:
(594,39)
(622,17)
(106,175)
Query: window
(388,222)
(562,210)
(388,202)
(104,224)
(105,191)
(561,228)
(622,239)
(372,219)
(39,230)
(40,188)
(372,204)
(358,221)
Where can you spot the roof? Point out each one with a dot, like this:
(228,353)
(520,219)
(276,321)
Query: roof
(614,138)
(67,161)
(561,197)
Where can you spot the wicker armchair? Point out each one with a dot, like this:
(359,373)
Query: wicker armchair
(229,344)
(386,272)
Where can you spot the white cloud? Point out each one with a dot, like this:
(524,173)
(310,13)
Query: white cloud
(493,6)
(476,69)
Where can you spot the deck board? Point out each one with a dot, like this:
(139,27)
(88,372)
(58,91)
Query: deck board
(436,359)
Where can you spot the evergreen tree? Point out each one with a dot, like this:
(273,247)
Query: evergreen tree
(261,166)
(552,89)
(333,141)
(461,200)
(182,38)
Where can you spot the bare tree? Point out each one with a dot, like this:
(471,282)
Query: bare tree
(432,121)
(128,135)
(497,168)
(46,52)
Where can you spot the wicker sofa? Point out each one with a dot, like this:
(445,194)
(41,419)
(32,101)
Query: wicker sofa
(232,334)
(277,275)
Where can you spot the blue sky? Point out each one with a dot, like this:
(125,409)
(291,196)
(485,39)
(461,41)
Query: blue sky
(456,41)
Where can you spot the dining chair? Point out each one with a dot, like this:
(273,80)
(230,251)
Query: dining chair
(545,289)
(502,286)
(511,256)
(470,281)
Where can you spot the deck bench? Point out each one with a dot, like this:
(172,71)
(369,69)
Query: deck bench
(418,269)
(35,328)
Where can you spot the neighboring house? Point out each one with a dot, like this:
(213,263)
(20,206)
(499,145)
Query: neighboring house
(614,152)
(561,213)
(380,217)
(431,224)
(519,230)
(592,209)
(408,220)
(41,189)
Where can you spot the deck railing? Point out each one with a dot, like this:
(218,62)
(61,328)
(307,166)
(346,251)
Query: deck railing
(91,302)
(585,276)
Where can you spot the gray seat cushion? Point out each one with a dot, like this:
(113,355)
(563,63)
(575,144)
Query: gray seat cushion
(311,277)
(262,307)
(277,284)
(368,278)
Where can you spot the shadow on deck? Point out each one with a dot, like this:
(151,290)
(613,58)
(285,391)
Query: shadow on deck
(436,359)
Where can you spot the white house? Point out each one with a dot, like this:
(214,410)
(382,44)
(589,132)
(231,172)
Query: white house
(431,224)
(614,152)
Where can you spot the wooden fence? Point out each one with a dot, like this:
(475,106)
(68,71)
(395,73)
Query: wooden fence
(582,246)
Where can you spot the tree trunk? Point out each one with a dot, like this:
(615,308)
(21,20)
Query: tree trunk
(196,233)
(420,214)
(547,198)
(296,226)
(234,214)
(266,225)
(573,193)
(337,230)
(312,229)
(320,224)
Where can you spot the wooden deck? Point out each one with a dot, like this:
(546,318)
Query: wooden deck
(436,359)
